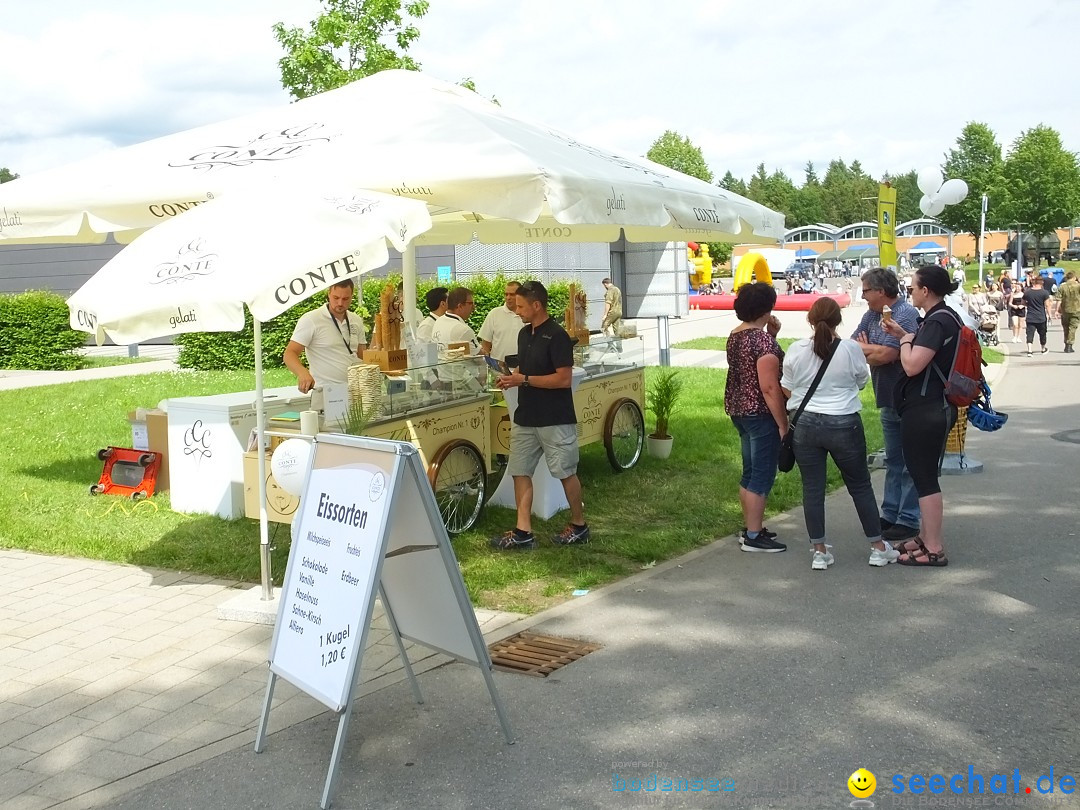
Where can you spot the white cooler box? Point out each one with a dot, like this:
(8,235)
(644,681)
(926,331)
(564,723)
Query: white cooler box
(207,440)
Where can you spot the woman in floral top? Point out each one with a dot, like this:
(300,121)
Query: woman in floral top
(755,403)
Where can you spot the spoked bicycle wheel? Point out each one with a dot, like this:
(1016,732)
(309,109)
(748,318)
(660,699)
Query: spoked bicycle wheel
(624,434)
(459,478)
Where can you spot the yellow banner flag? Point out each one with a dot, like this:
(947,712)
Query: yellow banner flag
(886,225)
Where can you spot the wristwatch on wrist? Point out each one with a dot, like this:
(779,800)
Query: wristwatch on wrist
(525,382)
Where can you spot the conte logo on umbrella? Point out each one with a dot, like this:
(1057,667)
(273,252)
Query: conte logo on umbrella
(285,144)
(192,261)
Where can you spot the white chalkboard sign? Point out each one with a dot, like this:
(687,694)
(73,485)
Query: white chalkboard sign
(368,525)
(331,579)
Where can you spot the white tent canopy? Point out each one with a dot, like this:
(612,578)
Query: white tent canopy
(401,133)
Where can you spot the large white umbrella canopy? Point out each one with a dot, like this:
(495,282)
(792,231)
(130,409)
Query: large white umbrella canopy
(197,272)
(480,169)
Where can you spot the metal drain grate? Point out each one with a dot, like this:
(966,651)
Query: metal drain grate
(532,654)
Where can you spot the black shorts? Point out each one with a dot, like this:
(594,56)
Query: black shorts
(924,428)
(1032,328)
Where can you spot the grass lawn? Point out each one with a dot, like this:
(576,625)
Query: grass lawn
(719,344)
(101,361)
(653,512)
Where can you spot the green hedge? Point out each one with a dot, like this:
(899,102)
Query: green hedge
(34,333)
(208,351)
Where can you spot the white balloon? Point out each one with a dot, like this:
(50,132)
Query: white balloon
(929,180)
(953,191)
(289,464)
(924,204)
(936,207)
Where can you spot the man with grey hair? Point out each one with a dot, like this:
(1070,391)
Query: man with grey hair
(880,289)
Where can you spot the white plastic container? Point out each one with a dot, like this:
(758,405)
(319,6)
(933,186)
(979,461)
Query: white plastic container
(207,440)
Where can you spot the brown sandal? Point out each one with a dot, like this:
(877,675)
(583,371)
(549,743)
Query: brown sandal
(930,559)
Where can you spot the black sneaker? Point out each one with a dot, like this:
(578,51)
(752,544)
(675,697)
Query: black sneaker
(760,543)
(763,533)
(572,536)
(898,533)
(886,524)
(514,541)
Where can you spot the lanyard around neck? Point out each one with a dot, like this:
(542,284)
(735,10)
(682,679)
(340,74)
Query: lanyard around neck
(348,329)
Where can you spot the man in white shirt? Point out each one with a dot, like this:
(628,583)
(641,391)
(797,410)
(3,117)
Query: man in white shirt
(452,326)
(331,339)
(499,334)
(436,304)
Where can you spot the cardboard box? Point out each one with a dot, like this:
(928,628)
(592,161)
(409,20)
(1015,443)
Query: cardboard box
(150,431)
(387,359)
(281,507)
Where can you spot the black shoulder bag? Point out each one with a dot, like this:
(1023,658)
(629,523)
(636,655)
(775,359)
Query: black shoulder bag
(785,461)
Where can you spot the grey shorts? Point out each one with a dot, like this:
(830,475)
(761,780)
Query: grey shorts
(558,444)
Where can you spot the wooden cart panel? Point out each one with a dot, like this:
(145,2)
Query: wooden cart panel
(592,401)
(428,431)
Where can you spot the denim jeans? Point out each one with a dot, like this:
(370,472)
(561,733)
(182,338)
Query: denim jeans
(760,439)
(900,503)
(817,437)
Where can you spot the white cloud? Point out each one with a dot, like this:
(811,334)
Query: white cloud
(780,83)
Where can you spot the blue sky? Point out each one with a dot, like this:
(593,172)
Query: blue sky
(779,82)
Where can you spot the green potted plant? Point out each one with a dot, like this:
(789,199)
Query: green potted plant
(661,399)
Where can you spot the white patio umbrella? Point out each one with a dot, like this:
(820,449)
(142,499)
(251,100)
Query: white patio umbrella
(482,171)
(197,272)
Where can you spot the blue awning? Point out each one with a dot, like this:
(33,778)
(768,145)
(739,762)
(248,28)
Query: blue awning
(927,247)
(805,253)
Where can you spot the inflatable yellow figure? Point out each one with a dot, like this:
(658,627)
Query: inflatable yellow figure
(698,258)
(752,267)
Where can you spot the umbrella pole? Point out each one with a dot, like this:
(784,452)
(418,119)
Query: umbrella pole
(260,428)
(408,284)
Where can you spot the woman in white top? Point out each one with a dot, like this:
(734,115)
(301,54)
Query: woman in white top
(831,425)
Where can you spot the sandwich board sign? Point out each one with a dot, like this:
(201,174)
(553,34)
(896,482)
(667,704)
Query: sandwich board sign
(368,525)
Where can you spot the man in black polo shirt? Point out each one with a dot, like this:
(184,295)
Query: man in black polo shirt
(545,422)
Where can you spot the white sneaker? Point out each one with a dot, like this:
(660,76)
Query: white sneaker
(880,559)
(822,560)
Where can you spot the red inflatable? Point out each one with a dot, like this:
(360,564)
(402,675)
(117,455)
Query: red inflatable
(784,303)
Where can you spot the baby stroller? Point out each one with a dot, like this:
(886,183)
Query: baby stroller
(988,325)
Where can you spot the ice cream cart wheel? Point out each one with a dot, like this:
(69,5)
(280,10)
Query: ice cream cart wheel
(104,453)
(624,434)
(96,489)
(459,478)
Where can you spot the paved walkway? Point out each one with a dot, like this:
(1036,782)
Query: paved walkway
(112,674)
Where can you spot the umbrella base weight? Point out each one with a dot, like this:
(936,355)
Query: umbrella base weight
(387,359)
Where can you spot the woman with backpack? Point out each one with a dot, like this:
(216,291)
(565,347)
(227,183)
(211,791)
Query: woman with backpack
(926,416)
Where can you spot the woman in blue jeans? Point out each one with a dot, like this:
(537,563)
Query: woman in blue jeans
(830,425)
(753,400)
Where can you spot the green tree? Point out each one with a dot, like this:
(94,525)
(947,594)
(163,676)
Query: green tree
(6,174)
(807,207)
(677,152)
(720,252)
(976,160)
(732,183)
(1043,180)
(350,40)
(847,193)
(907,195)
